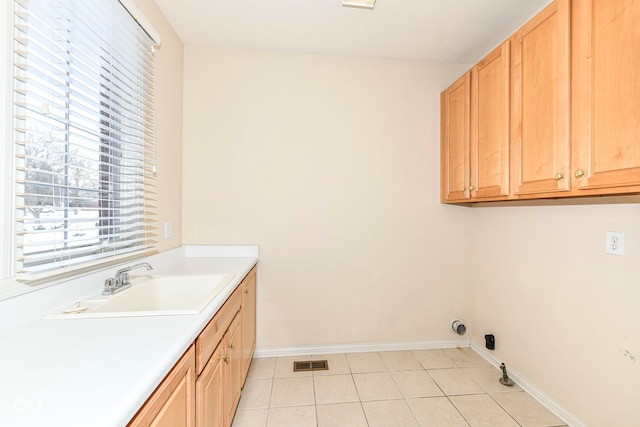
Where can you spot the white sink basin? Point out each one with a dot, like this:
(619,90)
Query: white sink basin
(152,296)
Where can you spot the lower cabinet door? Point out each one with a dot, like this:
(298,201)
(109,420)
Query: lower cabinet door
(248,312)
(210,391)
(234,366)
(173,402)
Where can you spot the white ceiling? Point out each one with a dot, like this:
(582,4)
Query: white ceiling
(457,31)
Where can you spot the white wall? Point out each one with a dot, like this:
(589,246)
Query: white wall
(565,315)
(331,165)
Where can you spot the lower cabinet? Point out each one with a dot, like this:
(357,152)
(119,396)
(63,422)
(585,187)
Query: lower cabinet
(218,386)
(203,389)
(248,312)
(210,391)
(173,403)
(234,371)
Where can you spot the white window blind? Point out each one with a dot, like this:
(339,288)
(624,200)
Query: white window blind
(84,133)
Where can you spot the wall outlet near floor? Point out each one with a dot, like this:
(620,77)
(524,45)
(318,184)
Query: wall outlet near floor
(167,230)
(615,243)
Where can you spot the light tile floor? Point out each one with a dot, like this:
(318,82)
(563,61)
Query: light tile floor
(436,388)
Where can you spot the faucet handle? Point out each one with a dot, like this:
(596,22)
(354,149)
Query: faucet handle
(122,279)
(109,286)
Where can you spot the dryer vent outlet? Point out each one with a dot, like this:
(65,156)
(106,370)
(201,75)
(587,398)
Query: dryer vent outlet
(458,328)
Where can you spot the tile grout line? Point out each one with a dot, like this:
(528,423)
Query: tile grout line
(445,394)
(505,409)
(366,419)
(315,398)
(481,388)
(273,380)
(458,410)
(491,397)
(404,398)
(459,367)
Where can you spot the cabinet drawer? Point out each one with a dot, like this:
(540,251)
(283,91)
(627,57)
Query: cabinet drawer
(211,335)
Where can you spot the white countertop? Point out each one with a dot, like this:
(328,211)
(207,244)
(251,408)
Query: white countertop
(99,372)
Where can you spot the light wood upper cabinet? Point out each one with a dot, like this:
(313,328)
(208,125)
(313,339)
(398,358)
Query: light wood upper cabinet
(567,103)
(455,162)
(475,132)
(490,126)
(172,404)
(606,94)
(540,109)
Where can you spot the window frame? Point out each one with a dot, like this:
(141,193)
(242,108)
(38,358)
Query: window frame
(7,178)
(9,285)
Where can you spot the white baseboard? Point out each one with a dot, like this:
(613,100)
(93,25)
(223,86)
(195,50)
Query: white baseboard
(547,401)
(358,348)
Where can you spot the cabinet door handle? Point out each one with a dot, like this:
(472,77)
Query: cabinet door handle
(579,173)
(246,291)
(471,188)
(558,176)
(464,188)
(226,359)
(231,345)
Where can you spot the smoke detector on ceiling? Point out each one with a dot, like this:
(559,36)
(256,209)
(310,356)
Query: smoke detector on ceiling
(362,4)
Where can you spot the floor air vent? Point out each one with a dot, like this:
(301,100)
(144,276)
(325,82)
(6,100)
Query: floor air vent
(312,365)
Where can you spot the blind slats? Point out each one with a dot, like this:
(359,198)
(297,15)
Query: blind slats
(84,129)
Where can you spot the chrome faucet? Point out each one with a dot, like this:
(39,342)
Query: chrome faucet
(121,281)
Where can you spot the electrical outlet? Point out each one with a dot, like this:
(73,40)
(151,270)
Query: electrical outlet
(615,243)
(167,230)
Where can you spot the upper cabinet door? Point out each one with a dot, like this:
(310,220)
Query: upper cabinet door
(606,96)
(454,134)
(490,126)
(540,74)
